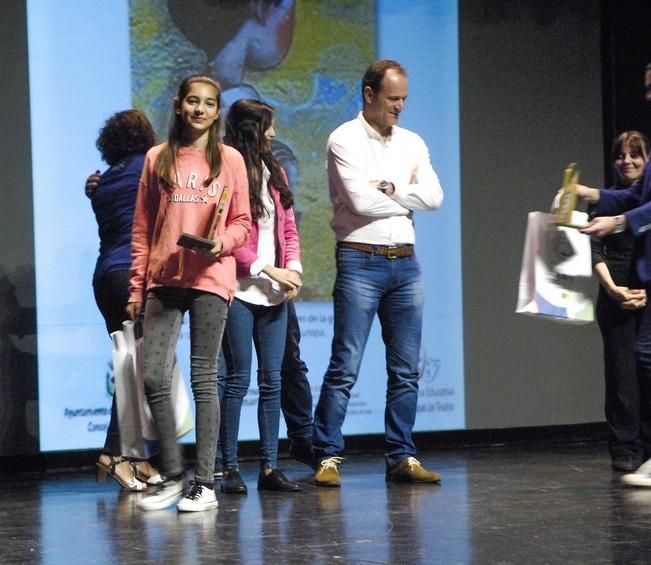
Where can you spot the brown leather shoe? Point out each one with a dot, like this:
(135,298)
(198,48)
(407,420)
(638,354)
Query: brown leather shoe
(409,470)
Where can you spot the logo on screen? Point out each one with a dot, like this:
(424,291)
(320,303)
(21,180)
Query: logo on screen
(109,380)
(428,368)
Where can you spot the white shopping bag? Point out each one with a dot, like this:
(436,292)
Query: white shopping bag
(129,396)
(134,416)
(555,278)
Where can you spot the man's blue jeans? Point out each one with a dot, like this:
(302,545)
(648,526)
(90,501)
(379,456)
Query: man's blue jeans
(367,284)
(265,327)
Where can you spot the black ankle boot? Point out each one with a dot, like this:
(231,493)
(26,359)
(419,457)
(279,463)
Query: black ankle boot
(232,482)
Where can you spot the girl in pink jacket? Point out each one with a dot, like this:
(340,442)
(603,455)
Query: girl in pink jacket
(191,184)
(268,274)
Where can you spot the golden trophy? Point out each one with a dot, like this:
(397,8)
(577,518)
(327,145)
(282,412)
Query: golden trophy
(567,200)
(206,243)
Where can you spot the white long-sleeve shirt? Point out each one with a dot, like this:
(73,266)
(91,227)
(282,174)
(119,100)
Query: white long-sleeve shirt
(357,155)
(259,288)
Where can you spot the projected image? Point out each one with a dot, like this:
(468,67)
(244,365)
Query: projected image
(305,60)
(303,57)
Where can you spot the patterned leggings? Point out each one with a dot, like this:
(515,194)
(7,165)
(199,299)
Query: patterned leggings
(164,311)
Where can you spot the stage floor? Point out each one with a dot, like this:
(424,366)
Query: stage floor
(522,505)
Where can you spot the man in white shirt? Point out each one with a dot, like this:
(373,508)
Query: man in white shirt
(379,174)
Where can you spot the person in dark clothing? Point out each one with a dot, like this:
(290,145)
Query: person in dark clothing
(122,142)
(628,210)
(619,311)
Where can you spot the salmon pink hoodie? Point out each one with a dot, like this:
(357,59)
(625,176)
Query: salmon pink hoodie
(161,216)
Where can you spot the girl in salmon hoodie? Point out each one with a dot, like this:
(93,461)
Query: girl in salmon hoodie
(268,274)
(191,184)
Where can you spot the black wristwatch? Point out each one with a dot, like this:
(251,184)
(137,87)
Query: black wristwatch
(383,186)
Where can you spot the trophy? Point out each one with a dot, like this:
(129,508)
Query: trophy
(567,200)
(191,241)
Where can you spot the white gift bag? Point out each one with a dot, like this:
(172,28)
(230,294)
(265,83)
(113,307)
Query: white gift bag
(556,274)
(180,401)
(134,416)
(129,397)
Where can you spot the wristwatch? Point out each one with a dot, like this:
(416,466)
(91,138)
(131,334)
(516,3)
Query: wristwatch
(383,186)
(619,224)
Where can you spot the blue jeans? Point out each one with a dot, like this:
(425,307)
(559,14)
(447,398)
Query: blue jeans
(367,284)
(295,392)
(266,327)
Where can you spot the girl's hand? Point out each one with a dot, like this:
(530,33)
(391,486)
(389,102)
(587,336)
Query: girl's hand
(291,280)
(628,298)
(217,249)
(298,281)
(133,310)
(620,293)
(296,278)
(633,304)
(636,299)
(291,294)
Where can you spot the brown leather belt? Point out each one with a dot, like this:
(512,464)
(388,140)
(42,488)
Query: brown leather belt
(388,251)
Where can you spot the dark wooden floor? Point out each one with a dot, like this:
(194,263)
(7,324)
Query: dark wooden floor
(559,504)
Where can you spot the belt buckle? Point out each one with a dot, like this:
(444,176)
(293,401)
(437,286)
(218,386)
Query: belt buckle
(393,252)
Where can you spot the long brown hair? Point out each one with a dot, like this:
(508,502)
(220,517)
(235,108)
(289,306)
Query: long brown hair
(165,166)
(246,124)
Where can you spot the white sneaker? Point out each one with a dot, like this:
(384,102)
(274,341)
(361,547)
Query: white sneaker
(645,467)
(641,477)
(166,495)
(199,498)
(637,479)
